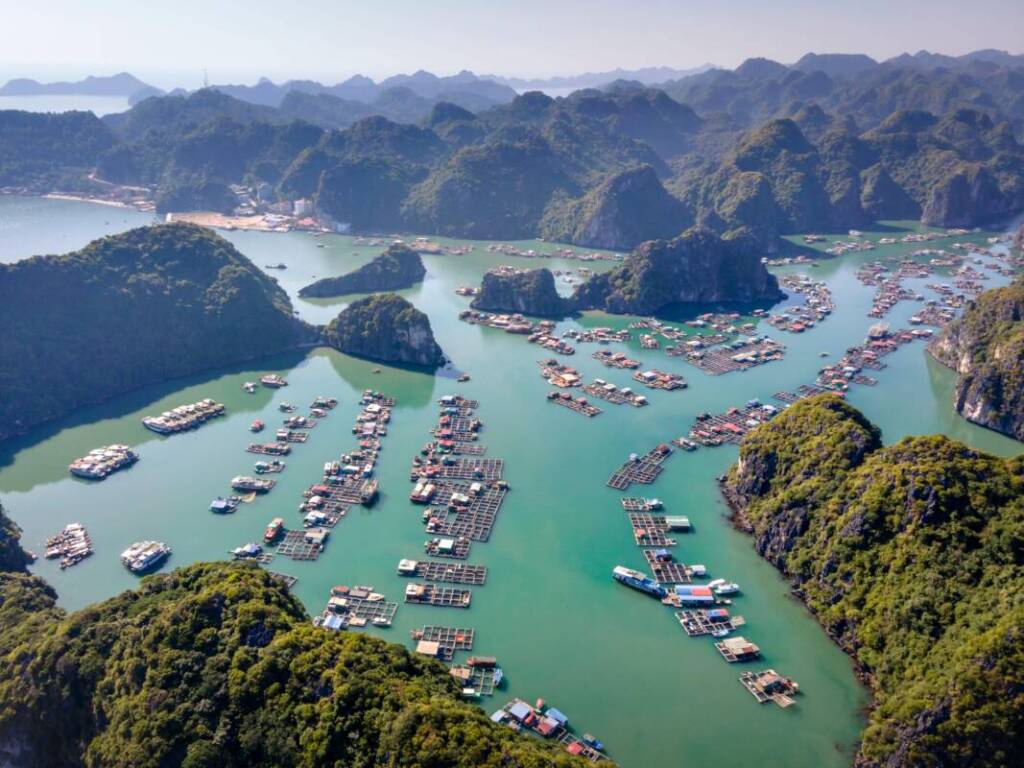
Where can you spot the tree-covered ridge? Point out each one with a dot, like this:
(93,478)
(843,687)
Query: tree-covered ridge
(48,151)
(384,327)
(217,665)
(12,556)
(527,291)
(397,267)
(986,347)
(128,310)
(912,557)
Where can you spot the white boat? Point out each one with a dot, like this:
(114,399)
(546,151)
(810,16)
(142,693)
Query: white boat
(723,587)
(144,555)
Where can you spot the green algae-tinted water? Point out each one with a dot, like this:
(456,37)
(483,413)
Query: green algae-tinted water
(613,660)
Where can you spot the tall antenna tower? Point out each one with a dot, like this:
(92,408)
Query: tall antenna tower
(206,80)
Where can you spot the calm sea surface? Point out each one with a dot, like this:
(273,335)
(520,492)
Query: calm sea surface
(614,661)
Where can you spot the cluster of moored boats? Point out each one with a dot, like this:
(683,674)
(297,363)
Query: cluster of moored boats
(99,463)
(72,545)
(184,417)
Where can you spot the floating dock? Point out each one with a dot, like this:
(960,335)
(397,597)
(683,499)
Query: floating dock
(443,642)
(665,568)
(769,685)
(640,469)
(454,548)
(576,404)
(442,597)
(716,622)
(303,545)
(452,573)
(650,530)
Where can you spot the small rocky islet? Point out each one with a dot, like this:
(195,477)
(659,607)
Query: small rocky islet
(396,268)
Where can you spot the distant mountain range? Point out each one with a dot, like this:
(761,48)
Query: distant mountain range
(646,75)
(121,84)
(828,143)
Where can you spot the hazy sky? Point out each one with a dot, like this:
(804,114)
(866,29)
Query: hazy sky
(169,42)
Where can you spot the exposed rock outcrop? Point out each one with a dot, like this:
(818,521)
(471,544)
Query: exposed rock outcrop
(698,267)
(986,348)
(385,327)
(396,268)
(528,291)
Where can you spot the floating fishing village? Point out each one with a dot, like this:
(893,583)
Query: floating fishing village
(457,489)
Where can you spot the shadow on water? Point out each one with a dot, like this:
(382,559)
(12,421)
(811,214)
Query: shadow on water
(680,313)
(137,399)
(358,372)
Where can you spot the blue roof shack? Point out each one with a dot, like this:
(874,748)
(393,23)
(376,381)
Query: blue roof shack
(520,710)
(554,714)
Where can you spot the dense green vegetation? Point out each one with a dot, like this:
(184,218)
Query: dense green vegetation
(830,143)
(530,292)
(48,151)
(912,557)
(129,310)
(618,213)
(698,267)
(986,347)
(12,556)
(397,267)
(384,327)
(217,665)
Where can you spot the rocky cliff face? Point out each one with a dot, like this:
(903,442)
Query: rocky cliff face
(385,327)
(698,267)
(529,292)
(986,348)
(620,213)
(898,551)
(968,198)
(398,267)
(12,556)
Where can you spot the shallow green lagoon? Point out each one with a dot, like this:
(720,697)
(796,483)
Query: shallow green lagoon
(614,661)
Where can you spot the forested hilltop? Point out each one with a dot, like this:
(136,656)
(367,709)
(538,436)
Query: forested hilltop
(827,144)
(912,558)
(217,666)
(128,310)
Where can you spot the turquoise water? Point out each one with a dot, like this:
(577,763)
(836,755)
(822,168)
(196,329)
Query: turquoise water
(614,661)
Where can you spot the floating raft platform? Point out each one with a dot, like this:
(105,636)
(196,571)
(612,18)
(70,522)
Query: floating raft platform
(643,469)
(476,526)
(452,573)
(575,404)
(650,530)
(456,549)
(736,357)
(473,469)
(769,685)
(468,449)
(448,639)
(269,449)
(737,649)
(298,546)
(612,394)
(614,359)
(706,622)
(665,568)
(634,504)
(347,612)
(574,745)
(442,597)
